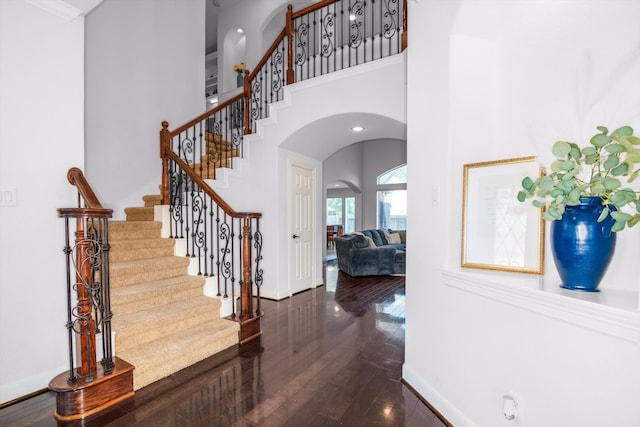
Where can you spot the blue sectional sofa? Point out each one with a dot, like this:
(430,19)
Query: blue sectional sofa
(371,253)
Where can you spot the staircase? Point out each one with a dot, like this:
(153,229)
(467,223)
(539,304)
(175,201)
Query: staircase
(162,321)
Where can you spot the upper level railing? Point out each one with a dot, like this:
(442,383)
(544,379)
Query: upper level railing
(328,36)
(88,289)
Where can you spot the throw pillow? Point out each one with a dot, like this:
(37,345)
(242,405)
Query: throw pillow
(371,243)
(360,241)
(385,235)
(394,238)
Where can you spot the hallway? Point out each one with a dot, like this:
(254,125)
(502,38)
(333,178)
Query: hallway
(331,356)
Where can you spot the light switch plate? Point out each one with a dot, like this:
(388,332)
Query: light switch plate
(8,197)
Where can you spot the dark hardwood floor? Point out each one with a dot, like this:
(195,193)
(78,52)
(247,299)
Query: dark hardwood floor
(331,356)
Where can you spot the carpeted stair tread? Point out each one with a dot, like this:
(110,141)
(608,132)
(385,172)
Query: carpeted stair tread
(123,230)
(136,249)
(139,271)
(151,200)
(140,213)
(141,296)
(161,358)
(143,326)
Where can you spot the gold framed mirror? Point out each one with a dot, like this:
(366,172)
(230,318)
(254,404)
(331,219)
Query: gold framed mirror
(499,232)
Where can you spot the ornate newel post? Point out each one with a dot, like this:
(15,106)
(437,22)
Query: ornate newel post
(85,324)
(290,35)
(249,323)
(165,144)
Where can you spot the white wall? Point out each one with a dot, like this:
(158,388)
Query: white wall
(491,80)
(41,137)
(144,64)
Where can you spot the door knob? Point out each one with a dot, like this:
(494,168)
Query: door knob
(295,236)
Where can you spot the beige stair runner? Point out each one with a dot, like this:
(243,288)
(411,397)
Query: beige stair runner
(162,320)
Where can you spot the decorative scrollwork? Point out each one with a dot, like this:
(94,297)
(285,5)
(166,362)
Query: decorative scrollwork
(356,17)
(277,65)
(327,25)
(185,148)
(256,109)
(390,24)
(302,42)
(257,244)
(225,250)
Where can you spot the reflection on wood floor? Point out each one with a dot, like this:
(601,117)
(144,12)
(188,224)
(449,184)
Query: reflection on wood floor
(331,356)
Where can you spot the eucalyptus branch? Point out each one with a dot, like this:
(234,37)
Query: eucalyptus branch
(609,158)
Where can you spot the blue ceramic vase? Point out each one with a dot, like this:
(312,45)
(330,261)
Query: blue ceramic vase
(582,247)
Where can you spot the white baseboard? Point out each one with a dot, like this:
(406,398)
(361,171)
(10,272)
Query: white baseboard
(435,399)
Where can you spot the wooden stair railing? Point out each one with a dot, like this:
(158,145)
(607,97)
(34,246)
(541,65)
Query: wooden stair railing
(209,224)
(92,386)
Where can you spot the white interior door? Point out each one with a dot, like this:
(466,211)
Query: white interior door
(301,226)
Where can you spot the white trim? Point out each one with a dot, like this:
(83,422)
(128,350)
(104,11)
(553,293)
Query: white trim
(59,8)
(587,310)
(435,399)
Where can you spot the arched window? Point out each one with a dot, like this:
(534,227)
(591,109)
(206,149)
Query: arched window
(392,199)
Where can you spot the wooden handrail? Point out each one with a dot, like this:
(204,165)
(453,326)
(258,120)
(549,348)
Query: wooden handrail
(76,178)
(313,8)
(205,187)
(267,55)
(204,115)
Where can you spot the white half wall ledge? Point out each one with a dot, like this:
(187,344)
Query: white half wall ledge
(605,312)
(67,10)
(435,399)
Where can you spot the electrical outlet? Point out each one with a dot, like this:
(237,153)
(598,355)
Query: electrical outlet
(512,409)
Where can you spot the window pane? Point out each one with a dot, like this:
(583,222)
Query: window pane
(394,176)
(334,211)
(350,209)
(392,209)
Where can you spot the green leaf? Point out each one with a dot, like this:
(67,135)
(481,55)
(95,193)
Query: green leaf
(611,162)
(538,203)
(621,216)
(621,169)
(527,184)
(617,226)
(602,129)
(522,196)
(589,151)
(633,156)
(556,166)
(632,177)
(615,148)
(567,165)
(574,196)
(574,153)
(623,131)
(604,214)
(546,183)
(561,148)
(633,221)
(634,140)
(597,188)
(600,140)
(622,197)
(611,183)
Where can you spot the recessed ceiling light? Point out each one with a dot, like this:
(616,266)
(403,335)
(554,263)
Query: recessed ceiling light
(240,30)
(352,17)
(357,128)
